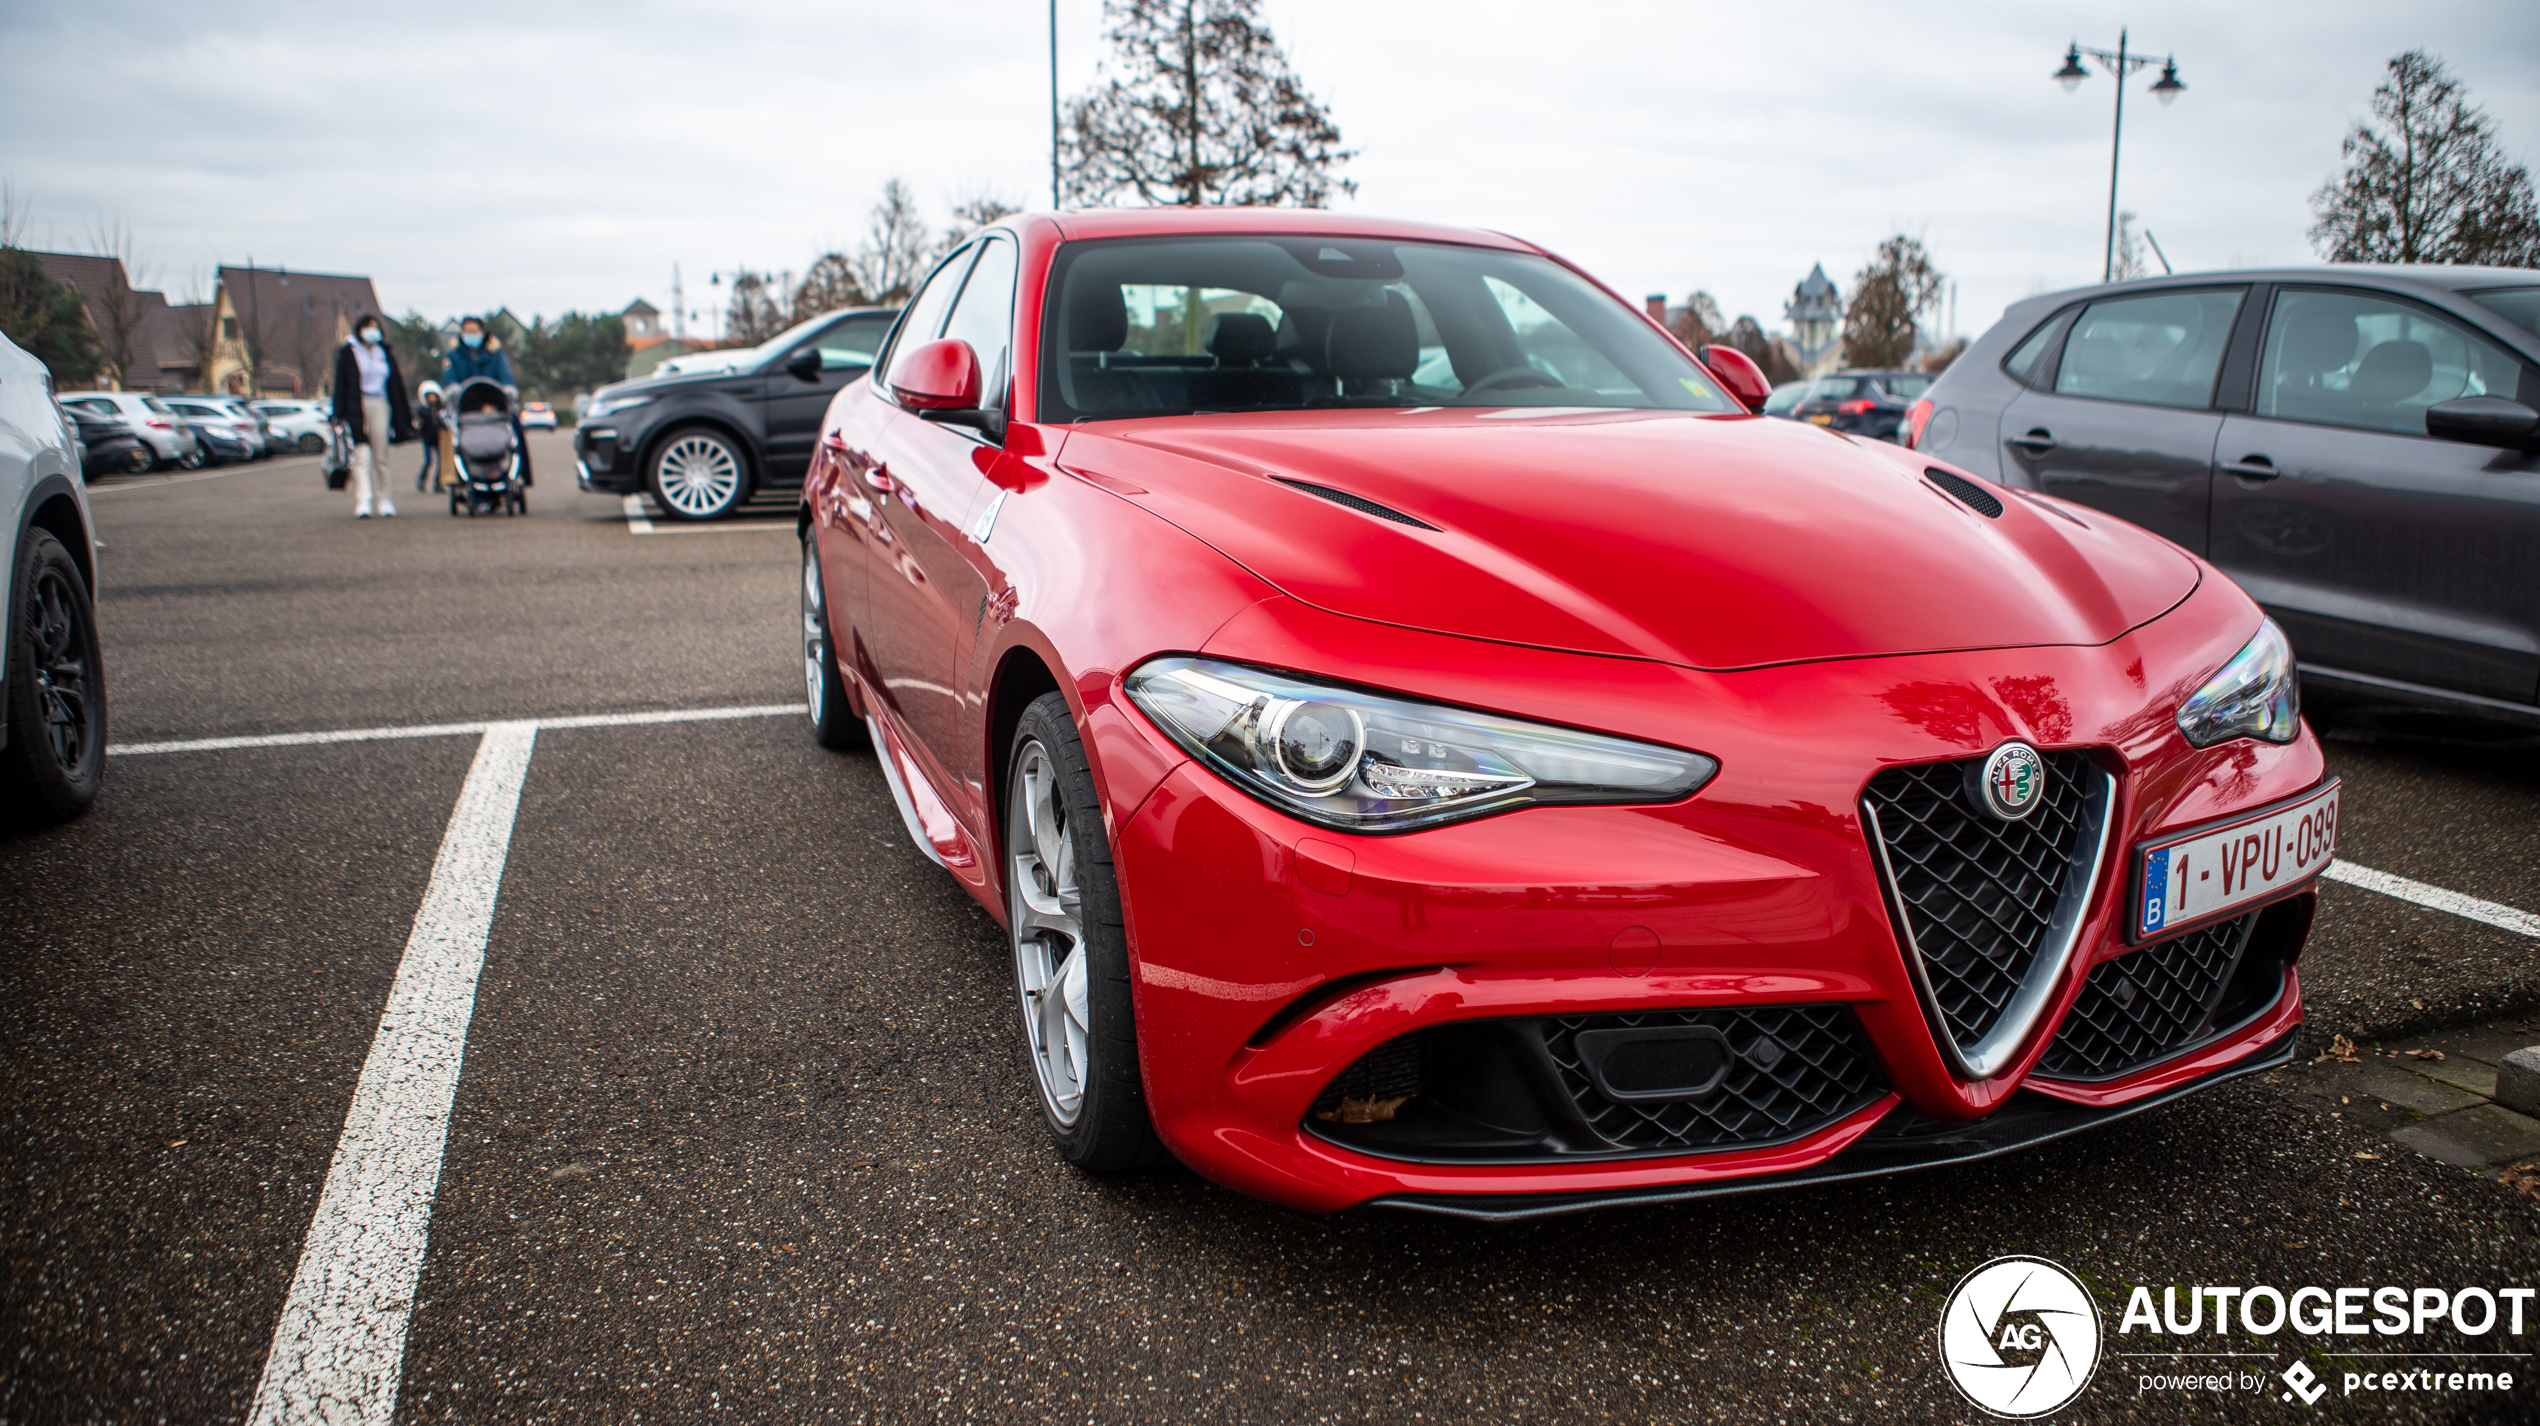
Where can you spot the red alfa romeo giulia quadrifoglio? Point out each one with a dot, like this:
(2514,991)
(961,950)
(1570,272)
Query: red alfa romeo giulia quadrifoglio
(1430,744)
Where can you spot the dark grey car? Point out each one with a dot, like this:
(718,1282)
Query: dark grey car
(2277,424)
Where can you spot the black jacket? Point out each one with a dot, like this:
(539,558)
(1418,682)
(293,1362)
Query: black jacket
(348,396)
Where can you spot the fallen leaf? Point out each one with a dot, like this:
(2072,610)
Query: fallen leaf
(176,1144)
(572,1171)
(2362,1155)
(1363,1111)
(2434,1055)
(2522,1176)
(2419,1004)
(2339,1049)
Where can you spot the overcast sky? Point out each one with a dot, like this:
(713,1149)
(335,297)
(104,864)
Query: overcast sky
(554,156)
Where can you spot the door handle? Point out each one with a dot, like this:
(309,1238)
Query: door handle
(2253,468)
(2037,442)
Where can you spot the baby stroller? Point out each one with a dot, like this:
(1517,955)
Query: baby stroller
(484,474)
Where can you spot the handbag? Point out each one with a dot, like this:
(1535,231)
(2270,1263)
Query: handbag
(337,467)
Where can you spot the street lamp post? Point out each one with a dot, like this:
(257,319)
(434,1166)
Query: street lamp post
(2119,65)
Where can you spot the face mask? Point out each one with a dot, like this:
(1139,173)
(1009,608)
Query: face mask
(474,339)
(371,335)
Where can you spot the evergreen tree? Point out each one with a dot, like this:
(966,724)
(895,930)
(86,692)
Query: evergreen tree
(48,319)
(1197,105)
(2430,185)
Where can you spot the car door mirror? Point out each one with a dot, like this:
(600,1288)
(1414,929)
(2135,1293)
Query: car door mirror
(942,375)
(1738,372)
(805,364)
(2484,421)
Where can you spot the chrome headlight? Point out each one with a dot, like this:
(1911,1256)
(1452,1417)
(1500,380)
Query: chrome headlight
(2256,695)
(1364,762)
(614,404)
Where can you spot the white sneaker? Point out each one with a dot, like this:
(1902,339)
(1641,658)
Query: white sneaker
(362,511)
(388,508)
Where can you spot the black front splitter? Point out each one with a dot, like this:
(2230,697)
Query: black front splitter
(1900,1143)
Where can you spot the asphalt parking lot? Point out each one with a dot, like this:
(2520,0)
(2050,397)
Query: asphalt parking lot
(744,1129)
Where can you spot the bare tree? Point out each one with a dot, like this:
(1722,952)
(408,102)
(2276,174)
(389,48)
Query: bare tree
(897,248)
(1698,323)
(1888,300)
(827,285)
(2431,185)
(121,309)
(754,315)
(1197,105)
(1747,335)
(2132,255)
(972,214)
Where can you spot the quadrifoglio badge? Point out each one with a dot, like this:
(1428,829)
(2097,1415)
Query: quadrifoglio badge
(2021,1337)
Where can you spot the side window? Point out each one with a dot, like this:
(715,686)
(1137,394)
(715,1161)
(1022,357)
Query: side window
(2159,349)
(2361,359)
(984,317)
(2026,363)
(850,345)
(925,315)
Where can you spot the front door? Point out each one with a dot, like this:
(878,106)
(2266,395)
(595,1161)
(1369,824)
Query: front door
(2381,550)
(2127,425)
(793,405)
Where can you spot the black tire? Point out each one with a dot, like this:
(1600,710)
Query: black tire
(193,460)
(1109,1130)
(56,696)
(698,473)
(833,722)
(139,462)
(311,443)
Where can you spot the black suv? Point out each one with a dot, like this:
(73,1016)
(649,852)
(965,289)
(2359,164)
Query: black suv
(2357,447)
(1862,403)
(703,442)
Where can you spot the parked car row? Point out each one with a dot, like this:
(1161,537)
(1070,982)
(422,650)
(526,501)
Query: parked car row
(135,431)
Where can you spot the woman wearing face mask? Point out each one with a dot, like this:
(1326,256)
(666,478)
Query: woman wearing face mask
(370,399)
(478,355)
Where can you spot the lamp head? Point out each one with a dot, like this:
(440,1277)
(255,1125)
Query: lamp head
(2072,74)
(2168,87)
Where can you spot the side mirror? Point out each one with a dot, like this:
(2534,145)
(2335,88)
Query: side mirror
(1738,372)
(805,364)
(942,375)
(2484,421)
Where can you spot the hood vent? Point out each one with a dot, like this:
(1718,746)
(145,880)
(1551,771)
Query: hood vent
(1975,497)
(1365,506)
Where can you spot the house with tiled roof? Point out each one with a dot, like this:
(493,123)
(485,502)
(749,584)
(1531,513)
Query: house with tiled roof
(290,322)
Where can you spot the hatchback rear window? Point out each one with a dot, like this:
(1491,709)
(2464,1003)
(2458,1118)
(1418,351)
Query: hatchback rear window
(1905,386)
(1833,388)
(2518,305)
(155,404)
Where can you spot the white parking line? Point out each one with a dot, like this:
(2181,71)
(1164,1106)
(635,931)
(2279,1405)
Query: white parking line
(452,730)
(340,1347)
(639,521)
(2492,913)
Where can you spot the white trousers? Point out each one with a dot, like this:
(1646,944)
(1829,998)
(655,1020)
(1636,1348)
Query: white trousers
(370,458)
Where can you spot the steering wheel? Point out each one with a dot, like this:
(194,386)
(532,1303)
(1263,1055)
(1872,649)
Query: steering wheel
(1513,378)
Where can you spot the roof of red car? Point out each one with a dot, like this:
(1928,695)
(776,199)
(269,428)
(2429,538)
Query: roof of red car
(1081,223)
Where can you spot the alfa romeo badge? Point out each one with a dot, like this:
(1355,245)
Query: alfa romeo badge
(2013,782)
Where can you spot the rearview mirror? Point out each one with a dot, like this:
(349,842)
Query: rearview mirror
(1738,372)
(2484,421)
(942,375)
(805,364)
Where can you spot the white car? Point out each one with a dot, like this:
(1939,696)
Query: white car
(159,428)
(538,415)
(53,715)
(229,415)
(297,425)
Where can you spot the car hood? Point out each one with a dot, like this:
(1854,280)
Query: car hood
(1713,542)
(663,385)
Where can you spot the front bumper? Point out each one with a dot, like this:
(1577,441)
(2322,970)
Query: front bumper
(1272,958)
(604,460)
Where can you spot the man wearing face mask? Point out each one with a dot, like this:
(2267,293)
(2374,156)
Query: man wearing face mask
(370,399)
(479,355)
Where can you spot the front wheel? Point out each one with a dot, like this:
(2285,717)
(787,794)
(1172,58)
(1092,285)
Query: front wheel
(699,474)
(1071,951)
(56,695)
(833,724)
(191,460)
(312,444)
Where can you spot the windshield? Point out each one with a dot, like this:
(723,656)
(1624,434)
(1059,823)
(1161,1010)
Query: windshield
(2518,305)
(1160,327)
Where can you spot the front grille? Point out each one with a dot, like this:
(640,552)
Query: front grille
(1797,1069)
(1980,896)
(1389,1071)
(2145,1004)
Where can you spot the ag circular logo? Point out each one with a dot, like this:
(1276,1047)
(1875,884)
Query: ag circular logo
(2019,1337)
(2013,781)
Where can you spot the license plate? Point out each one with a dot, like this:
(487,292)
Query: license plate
(1821,420)
(2199,876)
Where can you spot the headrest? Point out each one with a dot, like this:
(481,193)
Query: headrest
(2393,371)
(2099,359)
(1373,342)
(2317,341)
(1097,317)
(1240,337)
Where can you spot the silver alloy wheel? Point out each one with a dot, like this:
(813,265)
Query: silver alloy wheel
(815,639)
(698,475)
(1049,939)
